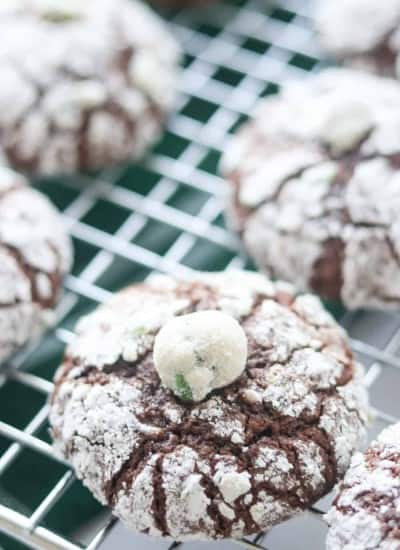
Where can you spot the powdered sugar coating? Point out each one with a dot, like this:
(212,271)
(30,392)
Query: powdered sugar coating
(35,254)
(329,221)
(366,512)
(245,458)
(365,33)
(84,84)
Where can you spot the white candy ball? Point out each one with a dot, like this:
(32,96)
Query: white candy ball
(199,352)
(348,123)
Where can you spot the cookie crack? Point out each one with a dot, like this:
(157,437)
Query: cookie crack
(159,502)
(347,164)
(246,212)
(31,273)
(170,438)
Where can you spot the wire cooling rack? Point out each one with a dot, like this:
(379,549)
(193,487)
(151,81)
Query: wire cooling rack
(165,215)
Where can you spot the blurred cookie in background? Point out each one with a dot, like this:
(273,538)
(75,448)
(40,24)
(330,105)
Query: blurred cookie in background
(315,181)
(84,84)
(35,255)
(363,33)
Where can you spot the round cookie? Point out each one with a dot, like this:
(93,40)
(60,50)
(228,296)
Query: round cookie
(84,84)
(363,33)
(366,512)
(246,457)
(35,254)
(315,187)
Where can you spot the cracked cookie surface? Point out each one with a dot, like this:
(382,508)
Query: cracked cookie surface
(35,254)
(366,512)
(315,187)
(84,84)
(363,33)
(248,456)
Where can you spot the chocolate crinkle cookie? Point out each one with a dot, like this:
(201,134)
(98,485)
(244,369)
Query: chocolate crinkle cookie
(366,512)
(85,84)
(211,407)
(35,254)
(315,187)
(363,33)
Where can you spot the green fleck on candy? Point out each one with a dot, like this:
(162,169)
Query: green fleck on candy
(140,331)
(59,17)
(182,388)
(57,11)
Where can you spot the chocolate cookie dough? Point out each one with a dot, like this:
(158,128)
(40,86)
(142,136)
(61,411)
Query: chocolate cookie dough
(366,512)
(35,254)
(315,181)
(253,452)
(363,33)
(85,84)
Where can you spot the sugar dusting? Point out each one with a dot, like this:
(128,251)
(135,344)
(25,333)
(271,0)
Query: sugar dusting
(366,513)
(34,248)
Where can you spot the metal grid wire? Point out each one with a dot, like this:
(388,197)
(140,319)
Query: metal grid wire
(164,215)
